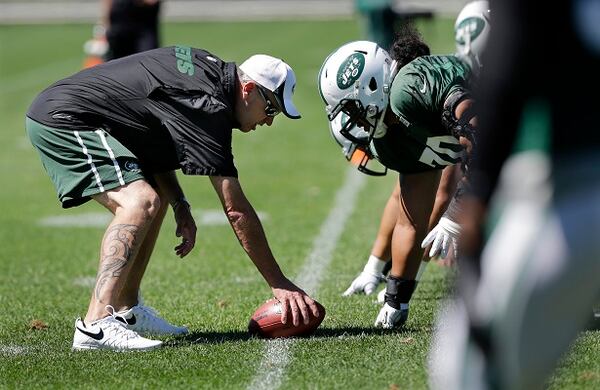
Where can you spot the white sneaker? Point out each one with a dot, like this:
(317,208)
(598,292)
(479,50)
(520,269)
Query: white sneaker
(109,333)
(145,321)
(389,318)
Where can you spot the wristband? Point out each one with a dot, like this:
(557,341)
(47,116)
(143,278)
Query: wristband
(176,203)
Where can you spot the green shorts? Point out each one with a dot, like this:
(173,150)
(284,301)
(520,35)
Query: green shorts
(82,163)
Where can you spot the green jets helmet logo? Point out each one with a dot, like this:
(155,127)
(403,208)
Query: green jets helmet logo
(469,27)
(350,70)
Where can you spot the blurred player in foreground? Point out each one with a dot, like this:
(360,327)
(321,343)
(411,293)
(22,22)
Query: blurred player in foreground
(126,27)
(416,122)
(526,294)
(117,132)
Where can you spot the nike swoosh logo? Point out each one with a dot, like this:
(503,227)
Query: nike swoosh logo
(96,336)
(128,321)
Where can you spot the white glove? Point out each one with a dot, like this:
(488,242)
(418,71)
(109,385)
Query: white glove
(389,318)
(443,235)
(365,283)
(369,278)
(381,296)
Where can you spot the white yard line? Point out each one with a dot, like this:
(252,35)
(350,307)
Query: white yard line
(277,354)
(13,350)
(204,217)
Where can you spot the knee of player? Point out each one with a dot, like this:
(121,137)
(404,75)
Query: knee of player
(152,204)
(144,204)
(405,229)
(410,230)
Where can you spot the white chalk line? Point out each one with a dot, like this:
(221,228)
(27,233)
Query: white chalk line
(204,217)
(13,350)
(276,354)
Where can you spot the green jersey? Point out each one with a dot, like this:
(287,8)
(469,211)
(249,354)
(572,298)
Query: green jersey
(420,142)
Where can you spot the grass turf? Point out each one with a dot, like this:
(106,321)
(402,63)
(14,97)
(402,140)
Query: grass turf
(290,172)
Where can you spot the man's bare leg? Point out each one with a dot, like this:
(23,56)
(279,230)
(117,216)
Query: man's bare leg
(382,247)
(134,206)
(130,291)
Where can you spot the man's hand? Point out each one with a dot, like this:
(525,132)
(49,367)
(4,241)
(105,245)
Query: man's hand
(295,301)
(186,228)
(365,283)
(442,237)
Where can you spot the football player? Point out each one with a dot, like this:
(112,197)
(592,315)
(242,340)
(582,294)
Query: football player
(471,31)
(126,27)
(415,123)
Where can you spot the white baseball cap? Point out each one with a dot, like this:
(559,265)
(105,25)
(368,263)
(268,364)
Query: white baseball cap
(276,76)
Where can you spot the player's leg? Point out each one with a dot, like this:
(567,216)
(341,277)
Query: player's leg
(382,247)
(379,261)
(84,164)
(134,206)
(416,201)
(130,292)
(139,317)
(450,177)
(446,189)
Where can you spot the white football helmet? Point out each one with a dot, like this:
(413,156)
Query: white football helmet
(355,80)
(471,30)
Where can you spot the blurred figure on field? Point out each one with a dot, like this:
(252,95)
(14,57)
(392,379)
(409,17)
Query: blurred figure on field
(126,27)
(131,26)
(378,20)
(527,290)
(471,30)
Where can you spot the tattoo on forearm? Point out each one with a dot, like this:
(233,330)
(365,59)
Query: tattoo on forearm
(117,246)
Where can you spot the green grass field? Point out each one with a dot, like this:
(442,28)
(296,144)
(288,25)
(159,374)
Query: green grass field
(291,173)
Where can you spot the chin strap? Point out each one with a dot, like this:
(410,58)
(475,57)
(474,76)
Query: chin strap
(361,159)
(381,129)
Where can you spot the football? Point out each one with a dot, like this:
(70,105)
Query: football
(266,322)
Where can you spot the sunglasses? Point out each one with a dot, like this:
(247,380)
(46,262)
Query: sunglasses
(270,110)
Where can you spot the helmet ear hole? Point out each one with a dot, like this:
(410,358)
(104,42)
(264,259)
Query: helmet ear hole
(373,84)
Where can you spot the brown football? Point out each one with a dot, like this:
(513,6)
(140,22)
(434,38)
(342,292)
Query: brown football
(266,322)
